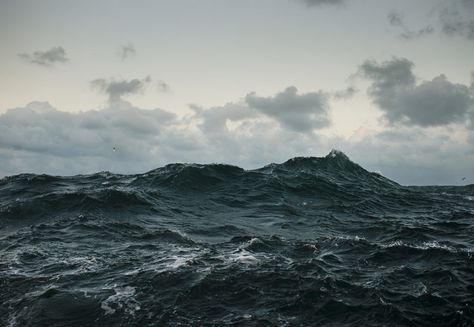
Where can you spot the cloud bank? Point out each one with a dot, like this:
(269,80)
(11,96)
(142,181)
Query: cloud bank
(46,58)
(413,155)
(252,131)
(41,139)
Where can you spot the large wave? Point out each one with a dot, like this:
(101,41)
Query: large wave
(311,241)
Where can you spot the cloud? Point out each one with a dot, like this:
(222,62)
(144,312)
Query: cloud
(41,139)
(345,94)
(57,139)
(251,132)
(412,155)
(163,86)
(313,3)
(296,113)
(457,18)
(115,89)
(300,113)
(472,81)
(451,17)
(395,19)
(395,91)
(46,58)
(127,51)
(214,120)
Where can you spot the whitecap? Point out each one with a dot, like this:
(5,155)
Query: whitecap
(122,299)
(244,257)
(426,246)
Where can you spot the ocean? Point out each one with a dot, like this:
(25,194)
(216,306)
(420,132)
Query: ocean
(309,242)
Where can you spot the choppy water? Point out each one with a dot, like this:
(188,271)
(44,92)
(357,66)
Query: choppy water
(312,241)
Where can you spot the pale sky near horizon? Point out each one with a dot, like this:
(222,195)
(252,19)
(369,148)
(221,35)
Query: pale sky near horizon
(249,82)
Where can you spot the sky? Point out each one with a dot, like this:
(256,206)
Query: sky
(129,86)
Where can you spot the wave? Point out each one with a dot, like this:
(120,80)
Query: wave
(311,241)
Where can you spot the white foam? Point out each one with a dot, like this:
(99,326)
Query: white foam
(169,260)
(392,244)
(355,238)
(254,241)
(243,256)
(180,261)
(239,256)
(122,299)
(427,245)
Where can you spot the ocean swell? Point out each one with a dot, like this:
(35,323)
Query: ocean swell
(312,241)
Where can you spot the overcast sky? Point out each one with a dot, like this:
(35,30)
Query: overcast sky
(128,86)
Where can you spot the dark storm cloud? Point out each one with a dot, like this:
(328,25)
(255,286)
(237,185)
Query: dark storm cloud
(430,103)
(297,112)
(395,19)
(115,89)
(46,58)
(127,51)
(312,3)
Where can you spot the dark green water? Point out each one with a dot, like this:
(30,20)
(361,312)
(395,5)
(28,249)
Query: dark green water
(310,242)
